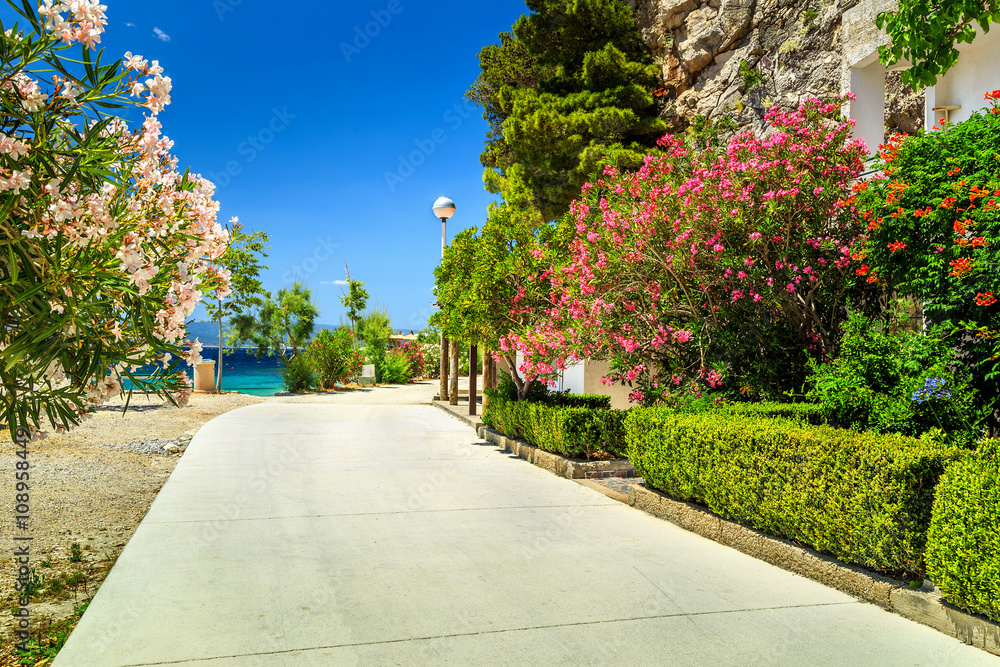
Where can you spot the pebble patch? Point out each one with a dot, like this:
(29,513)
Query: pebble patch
(165,446)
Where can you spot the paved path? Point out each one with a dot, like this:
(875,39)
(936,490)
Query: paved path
(342,531)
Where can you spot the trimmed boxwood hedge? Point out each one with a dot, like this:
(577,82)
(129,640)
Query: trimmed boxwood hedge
(571,426)
(861,497)
(963,544)
(808,413)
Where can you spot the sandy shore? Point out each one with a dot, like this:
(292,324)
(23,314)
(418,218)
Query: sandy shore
(84,492)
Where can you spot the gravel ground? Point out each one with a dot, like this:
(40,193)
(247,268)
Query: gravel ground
(94,484)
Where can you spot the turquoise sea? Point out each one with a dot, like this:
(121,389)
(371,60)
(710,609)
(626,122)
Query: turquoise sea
(245,373)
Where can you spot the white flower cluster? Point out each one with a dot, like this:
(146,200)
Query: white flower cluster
(84,20)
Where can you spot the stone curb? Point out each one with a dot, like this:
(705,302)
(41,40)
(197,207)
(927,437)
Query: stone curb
(921,606)
(476,422)
(558,464)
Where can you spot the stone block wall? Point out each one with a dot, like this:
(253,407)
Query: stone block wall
(798,47)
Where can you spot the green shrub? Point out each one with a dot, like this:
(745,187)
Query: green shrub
(574,432)
(506,387)
(396,368)
(334,357)
(861,497)
(298,375)
(568,400)
(414,356)
(375,330)
(896,382)
(963,544)
(806,413)
(432,360)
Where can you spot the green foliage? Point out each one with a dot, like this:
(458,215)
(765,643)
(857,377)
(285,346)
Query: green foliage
(278,325)
(375,330)
(751,77)
(571,426)
(863,498)
(504,65)
(49,638)
(242,261)
(925,33)
(105,243)
(459,314)
(429,335)
(75,553)
(432,359)
(803,413)
(506,386)
(705,132)
(877,383)
(355,300)
(567,93)
(483,274)
(934,236)
(334,358)
(414,354)
(396,368)
(963,543)
(298,375)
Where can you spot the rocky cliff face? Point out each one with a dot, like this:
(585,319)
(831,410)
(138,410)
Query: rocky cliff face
(735,58)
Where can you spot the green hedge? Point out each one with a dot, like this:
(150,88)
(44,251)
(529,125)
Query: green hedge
(861,497)
(593,401)
(963,544)
(807,413)
(559,425)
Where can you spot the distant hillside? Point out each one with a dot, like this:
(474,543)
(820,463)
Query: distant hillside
(208,332)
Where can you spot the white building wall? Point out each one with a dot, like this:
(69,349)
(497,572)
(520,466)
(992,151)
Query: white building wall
(868,83)
(573,379)
(976,73)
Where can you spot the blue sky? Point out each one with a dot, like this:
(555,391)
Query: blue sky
(299,131)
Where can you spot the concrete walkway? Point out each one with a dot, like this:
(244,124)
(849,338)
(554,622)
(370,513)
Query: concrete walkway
(365,529)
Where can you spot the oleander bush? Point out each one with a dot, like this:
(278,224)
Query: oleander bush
(432,360)
(334,357)
(573,426)
(861,497)
(415,355)
(963,543)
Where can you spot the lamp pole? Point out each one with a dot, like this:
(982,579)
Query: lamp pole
(444,208)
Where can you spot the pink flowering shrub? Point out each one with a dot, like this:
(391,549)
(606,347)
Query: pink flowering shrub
(106,243)
(707,267)
(414,353)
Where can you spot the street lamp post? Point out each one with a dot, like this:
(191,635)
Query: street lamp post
(444,208)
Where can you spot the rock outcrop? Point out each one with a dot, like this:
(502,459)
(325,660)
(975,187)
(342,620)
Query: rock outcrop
(735,58)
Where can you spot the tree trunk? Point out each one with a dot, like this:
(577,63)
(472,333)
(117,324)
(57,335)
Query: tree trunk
(473,372)
(523,386)
(444,368)
(487,377)
(453,397)
(218,372)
